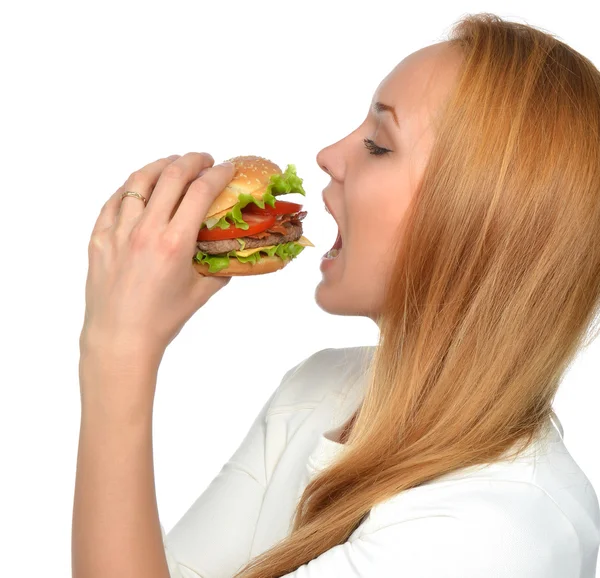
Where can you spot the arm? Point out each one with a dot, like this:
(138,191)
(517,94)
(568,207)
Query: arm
(116,530)
(141,289)
(115,469)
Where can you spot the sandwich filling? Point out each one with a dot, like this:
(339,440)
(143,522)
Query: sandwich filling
(284,238)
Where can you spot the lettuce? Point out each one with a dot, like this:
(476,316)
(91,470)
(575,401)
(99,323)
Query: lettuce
(288,182)
(217,262)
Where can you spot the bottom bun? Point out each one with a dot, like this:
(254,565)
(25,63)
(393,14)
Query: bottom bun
(265,265)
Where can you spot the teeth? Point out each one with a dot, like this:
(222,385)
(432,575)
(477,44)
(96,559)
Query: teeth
(331,254)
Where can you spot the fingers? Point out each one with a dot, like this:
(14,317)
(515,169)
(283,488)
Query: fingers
(136,182)
(142,181)
(200,195)
(171,186)
(108,212)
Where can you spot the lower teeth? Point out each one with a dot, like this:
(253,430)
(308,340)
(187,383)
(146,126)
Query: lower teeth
(332,254)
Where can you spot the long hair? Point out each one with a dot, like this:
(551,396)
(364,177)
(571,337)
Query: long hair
(495,288)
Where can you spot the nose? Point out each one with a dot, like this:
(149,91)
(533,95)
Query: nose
(332,158)
(321,161)
(326,160)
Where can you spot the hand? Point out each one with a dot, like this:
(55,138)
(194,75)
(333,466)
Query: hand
(141,286)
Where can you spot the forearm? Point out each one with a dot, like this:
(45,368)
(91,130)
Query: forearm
(116,529)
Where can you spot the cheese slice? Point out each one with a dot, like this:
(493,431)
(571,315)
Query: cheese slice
(245,252)
(304,242)
(229,197)
(214,218)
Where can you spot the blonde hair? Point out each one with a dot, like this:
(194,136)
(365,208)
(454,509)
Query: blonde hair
(493,292)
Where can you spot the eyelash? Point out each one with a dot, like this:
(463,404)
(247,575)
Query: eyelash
(374,148)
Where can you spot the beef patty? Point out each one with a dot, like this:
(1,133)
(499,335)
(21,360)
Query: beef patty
(226,245)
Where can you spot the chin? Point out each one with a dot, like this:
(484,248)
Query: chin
(336,300)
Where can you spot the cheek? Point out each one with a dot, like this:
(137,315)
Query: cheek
(370,256)
(354,284)
(372,228)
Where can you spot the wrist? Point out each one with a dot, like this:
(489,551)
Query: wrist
(119,346)
(117,383)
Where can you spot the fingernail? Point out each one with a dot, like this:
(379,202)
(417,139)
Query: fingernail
(226,164)
(173,157)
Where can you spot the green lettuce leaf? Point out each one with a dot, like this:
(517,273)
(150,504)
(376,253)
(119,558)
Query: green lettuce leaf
(286,183)
(217,262)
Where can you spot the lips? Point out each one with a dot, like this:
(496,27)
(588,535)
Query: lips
(338,242)
(337,246)
(328,208)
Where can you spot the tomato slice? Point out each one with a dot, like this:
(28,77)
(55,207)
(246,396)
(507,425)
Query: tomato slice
(257,223)
(281,208)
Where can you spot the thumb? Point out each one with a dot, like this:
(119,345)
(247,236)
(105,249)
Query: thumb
(205,287)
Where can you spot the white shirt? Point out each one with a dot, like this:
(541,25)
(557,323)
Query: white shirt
(533,517)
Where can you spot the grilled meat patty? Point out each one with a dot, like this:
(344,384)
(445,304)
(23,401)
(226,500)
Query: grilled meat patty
(226,245)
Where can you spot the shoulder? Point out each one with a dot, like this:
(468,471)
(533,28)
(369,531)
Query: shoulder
(480,523)
(494,503)
(321,373)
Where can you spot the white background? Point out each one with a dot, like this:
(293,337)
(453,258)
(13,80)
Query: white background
(93,91)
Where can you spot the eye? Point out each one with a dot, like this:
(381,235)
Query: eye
(374,148)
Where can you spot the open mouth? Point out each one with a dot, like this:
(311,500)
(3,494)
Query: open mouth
(336,249)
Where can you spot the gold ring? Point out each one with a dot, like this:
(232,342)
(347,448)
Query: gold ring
(133,194)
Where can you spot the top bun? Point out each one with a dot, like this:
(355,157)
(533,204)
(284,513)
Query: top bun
(252,176)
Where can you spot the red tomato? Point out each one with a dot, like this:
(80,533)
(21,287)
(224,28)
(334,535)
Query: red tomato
(281,208)
(257,223)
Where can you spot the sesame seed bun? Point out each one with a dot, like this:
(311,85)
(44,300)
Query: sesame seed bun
(251,177)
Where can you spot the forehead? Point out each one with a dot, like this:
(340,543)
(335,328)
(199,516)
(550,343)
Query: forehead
(419,84)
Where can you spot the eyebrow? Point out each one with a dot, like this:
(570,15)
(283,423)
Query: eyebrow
(380,107)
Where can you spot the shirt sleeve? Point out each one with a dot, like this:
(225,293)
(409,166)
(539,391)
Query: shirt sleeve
(214,537)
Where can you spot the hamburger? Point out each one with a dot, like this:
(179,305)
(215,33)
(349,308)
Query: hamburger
(247,229)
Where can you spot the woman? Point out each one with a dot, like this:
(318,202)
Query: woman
(470,227)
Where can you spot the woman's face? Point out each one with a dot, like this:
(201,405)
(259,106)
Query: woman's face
(369,193)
